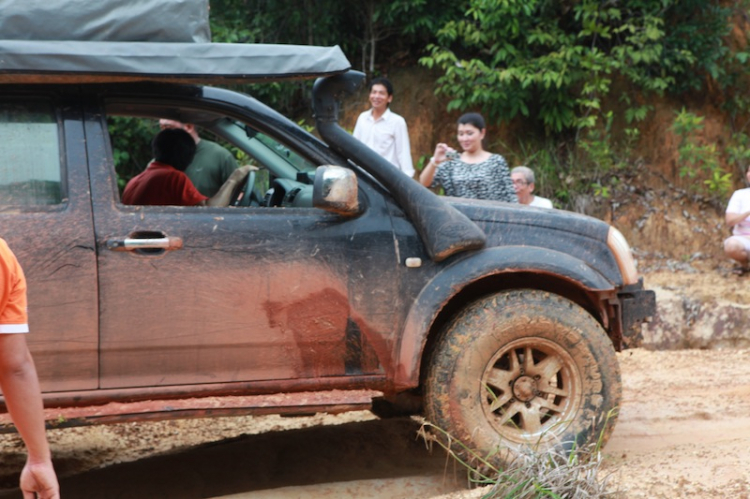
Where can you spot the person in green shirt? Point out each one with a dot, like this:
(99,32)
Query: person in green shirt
(212,164)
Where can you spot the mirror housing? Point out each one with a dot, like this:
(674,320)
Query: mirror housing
(335,190)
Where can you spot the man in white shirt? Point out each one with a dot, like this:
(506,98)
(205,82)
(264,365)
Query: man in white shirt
(384,131)
(523,181)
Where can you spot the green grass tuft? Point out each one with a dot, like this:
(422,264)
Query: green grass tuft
(563,471)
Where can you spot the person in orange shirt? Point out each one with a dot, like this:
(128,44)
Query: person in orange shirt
(19,381)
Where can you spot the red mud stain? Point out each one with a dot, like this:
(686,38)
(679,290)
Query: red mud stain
(329,340)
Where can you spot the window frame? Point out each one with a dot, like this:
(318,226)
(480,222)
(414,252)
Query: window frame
(56,115)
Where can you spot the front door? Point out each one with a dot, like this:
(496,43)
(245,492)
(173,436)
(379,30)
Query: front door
(236,294)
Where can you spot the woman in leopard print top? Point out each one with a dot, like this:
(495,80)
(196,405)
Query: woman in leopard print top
(475,173)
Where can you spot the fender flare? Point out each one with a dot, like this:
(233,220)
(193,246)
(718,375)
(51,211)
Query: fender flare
(472,268)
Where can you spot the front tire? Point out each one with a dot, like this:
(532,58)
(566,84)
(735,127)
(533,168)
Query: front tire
(522,368)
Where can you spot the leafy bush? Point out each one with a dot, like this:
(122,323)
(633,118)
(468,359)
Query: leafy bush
(554,61)
(738,152)
(131,145)
(699,160)
(367,31)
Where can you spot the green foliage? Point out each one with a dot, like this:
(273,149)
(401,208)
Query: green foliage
(699,160)
(631,132)
(131,145)
(738,152)
(597,145)
(537,59)
(719,182)
(362,29)
(418,18)
(306,126)
(601,190)
(301,22)
(569,174)
(421,163)
(694,42)
(554,61)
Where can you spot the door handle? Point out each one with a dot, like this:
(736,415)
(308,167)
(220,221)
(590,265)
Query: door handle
(135,243)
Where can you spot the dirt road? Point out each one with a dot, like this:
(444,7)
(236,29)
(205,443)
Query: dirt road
(684,428)
(684,431)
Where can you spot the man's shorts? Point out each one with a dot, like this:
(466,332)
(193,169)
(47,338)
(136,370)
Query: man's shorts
(744,240)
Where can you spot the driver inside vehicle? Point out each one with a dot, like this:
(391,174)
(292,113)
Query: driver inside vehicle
(164,181)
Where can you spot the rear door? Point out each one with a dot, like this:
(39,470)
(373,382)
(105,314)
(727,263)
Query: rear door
(45,215)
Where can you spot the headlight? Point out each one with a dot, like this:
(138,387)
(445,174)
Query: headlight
(621,249)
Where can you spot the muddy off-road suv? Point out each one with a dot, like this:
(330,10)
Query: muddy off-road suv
(334,283)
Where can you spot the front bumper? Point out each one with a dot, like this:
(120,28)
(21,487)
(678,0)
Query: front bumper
(637,305)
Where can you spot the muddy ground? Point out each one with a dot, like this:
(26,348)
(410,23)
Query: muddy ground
(684,431)
(684,428)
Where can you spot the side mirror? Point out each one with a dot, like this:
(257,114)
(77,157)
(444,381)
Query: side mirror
(335,190)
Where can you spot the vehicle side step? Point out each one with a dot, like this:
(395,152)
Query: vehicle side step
(295,404)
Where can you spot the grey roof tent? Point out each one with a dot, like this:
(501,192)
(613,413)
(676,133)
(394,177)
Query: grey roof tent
(156,40)
(111,20)
(41,61)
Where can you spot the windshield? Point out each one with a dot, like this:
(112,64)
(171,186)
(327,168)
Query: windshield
(286,154)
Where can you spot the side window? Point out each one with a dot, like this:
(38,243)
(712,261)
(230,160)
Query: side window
(30,167)
(283,177)
(130,139)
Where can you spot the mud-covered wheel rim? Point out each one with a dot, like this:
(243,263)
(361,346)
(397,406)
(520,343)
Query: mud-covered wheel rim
(530,388)
(481,386)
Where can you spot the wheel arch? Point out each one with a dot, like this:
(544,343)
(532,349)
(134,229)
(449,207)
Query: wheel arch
(479,274)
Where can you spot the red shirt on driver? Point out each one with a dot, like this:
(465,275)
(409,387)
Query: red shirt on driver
(161,184)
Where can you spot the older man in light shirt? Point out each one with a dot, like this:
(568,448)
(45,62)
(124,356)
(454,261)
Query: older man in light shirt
(523,181)
(384,131)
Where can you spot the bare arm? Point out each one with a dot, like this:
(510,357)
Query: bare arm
(428,172)
(224,196)
(20,386)
(733,219)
